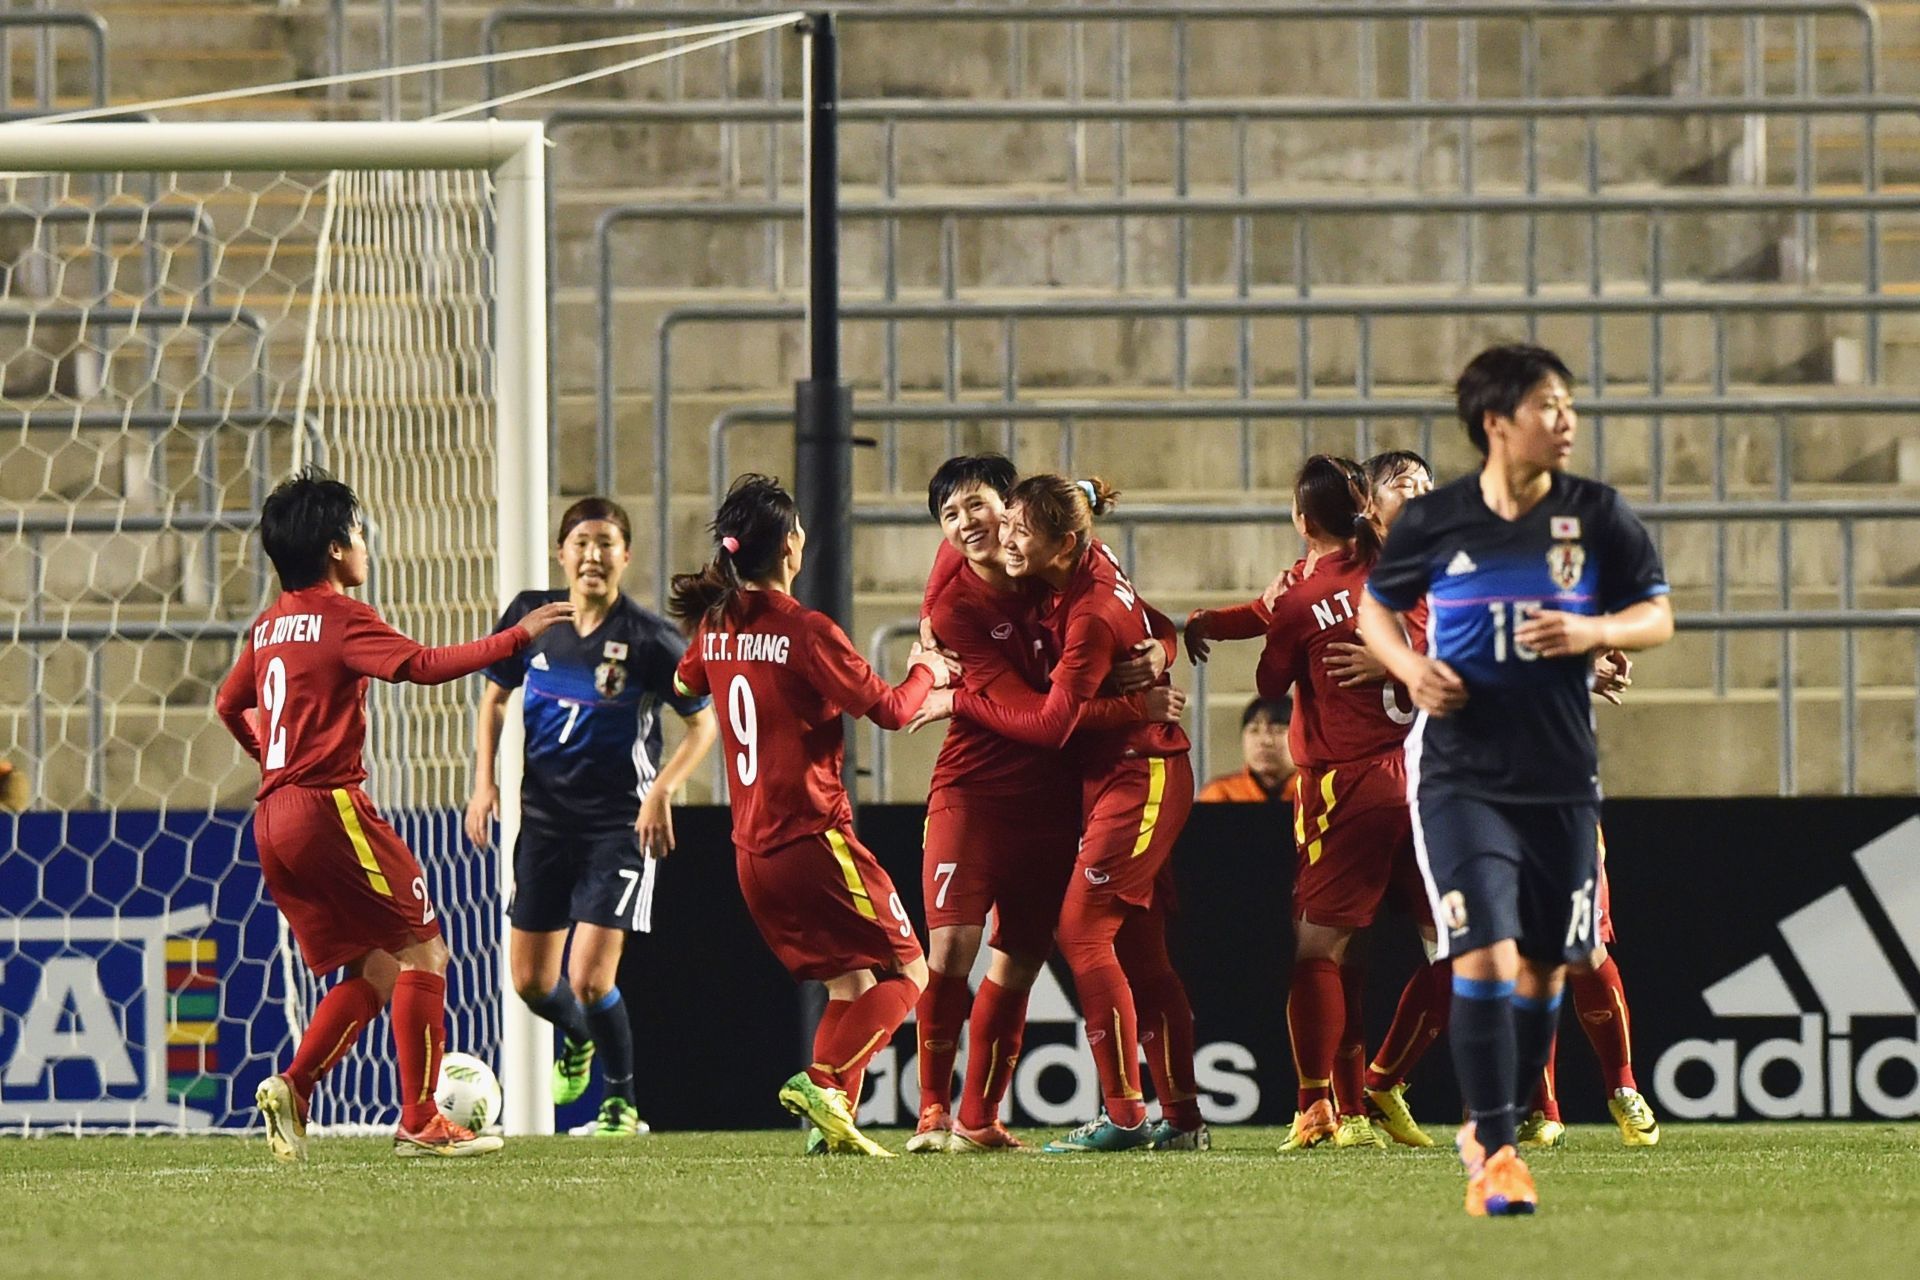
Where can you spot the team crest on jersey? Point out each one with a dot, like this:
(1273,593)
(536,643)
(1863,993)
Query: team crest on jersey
(610,677)
(1565,561)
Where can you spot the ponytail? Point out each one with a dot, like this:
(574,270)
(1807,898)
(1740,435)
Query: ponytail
(750,539)
(705,596)
(1331,495)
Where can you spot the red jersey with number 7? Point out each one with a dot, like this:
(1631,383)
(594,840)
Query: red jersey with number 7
(305,665)
(781,675)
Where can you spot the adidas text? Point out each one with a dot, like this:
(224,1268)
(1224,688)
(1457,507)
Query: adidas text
(1813,1076)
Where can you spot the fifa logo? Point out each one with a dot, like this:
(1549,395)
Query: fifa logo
(109,1020)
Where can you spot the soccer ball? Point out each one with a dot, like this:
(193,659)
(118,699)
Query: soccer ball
(469,1092)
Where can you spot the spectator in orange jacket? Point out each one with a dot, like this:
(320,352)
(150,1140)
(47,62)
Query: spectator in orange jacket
(1269,773)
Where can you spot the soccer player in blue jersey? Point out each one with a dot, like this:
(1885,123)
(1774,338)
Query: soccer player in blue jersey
(1529,572)
(594,799)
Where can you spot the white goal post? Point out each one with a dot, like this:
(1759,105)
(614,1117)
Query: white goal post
(365,274)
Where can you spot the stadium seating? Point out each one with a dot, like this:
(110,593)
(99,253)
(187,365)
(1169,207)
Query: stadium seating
(1678,734)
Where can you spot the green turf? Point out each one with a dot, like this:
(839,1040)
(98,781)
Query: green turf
(1799,1201)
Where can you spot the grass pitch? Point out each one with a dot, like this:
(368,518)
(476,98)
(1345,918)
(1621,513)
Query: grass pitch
(1752,1202)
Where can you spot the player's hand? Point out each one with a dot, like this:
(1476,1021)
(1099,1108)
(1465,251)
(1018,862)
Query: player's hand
(1285,582)
(1142,669)
(1612,675)
(1553,634)
(938,706)
(1166,704)
(482,809)
(654,826)
(1439,691)
(945,670)
(546,615)
(1196,637)
(1352,665)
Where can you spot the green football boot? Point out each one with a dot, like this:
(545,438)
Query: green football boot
(572,1072)
(620,1119)
(1102,1134)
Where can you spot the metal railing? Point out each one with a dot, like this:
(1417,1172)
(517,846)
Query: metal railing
(42,27)
(1470,209)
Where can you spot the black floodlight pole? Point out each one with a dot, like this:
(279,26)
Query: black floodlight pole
(823,404)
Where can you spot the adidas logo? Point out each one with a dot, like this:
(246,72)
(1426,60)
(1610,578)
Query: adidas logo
(1847,967)
(1461,563)
(539,662)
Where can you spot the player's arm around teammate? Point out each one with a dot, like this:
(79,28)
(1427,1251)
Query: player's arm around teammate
(1137,789)
(1003,818)
(594,812)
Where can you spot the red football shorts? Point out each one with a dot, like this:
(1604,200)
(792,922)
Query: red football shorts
(342,877)
(1134,812)
(826,907)
(1604,897)
(1011,853)
(1354,844)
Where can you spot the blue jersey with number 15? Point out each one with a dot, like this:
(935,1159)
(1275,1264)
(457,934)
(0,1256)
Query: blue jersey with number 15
(1526,733)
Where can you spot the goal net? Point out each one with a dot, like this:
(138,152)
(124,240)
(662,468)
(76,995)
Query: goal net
(186,313)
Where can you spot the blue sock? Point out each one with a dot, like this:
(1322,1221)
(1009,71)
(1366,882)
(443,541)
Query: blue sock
(613,1040)
(562,1008)
(1534,1022)
(1482,1035)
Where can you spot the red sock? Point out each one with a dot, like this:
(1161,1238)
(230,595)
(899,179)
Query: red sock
(998,1025)
(1166,1034)
(1350,1060)
(1546,1100)
(1601,1002)
(419,1038)
(823,1032)
(343,1013)
(840,1057)
(1113,1034)
(1418,1021)
(941,1013)
(1316,1014)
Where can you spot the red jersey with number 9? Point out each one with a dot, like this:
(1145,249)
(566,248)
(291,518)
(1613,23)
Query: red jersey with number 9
(1331,725)
(305,665)
(780,675)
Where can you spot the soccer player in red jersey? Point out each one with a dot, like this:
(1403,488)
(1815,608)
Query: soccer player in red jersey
(1003,817)
(349,888)
(1136,792)
(1351,827)
(785,674)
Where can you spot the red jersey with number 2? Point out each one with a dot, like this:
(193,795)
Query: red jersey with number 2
(1331,725)
(306,664)
(780,675)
